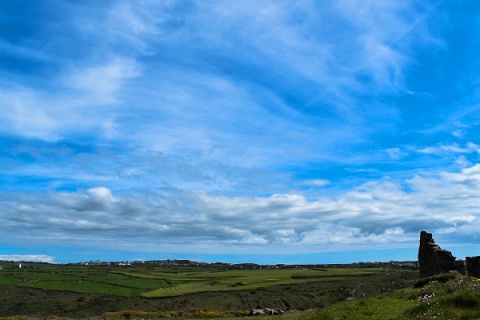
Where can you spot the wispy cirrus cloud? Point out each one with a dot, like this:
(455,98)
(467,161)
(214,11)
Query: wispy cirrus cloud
(281,46)
(451,148)
(101,83)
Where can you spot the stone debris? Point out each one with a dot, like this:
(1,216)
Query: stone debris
(265,311)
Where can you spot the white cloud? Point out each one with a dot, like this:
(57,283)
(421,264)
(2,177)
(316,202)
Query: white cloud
(378,26)
(32,113)
(395,153)
(461,155)
(27,257)
(101,193)
(23,114)
(137,19)
(316,182)
(378,213)
(469,147)
(94,199)
(102,82)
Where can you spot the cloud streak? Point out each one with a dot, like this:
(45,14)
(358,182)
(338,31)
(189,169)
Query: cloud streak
(27,257)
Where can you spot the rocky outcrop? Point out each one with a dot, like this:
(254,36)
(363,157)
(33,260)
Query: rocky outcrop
(432,259)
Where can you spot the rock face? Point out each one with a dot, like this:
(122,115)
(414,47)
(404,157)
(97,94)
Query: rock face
(432,259)
(473,266)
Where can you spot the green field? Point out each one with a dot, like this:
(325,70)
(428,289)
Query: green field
(162,282)
(150,291)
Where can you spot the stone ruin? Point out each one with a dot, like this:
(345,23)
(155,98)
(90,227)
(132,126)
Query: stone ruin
(473,266)
(434,260)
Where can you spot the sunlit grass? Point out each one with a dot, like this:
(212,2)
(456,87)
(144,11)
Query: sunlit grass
(233,280)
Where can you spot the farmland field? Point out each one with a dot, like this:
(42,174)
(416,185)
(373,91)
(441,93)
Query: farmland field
(81,291)
(161,282)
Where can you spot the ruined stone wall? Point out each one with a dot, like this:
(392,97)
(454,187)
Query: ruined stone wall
(473,266)
(432,259)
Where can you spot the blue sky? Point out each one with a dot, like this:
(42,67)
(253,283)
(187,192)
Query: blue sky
(260,131)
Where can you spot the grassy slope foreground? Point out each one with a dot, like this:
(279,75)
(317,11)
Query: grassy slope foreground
(450,296)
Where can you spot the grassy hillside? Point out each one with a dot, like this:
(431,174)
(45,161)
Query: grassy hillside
(443,297)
